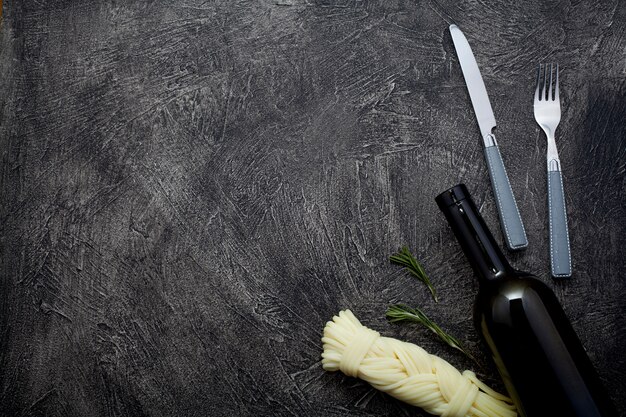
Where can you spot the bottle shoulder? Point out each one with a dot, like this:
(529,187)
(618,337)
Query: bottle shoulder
(518,296)
(516,285)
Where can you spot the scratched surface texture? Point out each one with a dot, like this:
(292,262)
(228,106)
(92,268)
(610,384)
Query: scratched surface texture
(189,191)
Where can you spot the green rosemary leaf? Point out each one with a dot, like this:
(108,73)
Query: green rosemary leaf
(405,259)
(400,312)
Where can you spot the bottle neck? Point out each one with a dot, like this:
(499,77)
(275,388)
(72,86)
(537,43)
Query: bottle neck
(477,242)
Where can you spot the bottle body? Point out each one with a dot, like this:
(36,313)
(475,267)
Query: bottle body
(538,354)
(540,358)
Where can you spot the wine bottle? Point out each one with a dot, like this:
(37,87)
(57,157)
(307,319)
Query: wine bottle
(541,360)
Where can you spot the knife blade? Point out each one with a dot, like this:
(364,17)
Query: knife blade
(510,219)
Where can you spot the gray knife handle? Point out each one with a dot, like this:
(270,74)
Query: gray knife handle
(512,225)
(560,257)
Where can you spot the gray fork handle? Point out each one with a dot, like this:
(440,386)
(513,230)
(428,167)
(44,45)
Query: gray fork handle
(511,221)
(560,257)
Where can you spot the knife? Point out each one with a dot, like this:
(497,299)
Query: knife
(512,225)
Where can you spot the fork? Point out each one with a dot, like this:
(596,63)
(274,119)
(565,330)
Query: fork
(547,109)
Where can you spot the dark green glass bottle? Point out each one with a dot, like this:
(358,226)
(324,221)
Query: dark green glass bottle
(542,362)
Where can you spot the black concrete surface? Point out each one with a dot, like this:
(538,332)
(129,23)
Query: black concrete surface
(190,190)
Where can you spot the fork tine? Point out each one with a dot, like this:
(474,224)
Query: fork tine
(556,87)
(538,85)
(542,81)
(550,88)
(544,91)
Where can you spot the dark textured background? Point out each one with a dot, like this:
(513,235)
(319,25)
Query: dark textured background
(190,191)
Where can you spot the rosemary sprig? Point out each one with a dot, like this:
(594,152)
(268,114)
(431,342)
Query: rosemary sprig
(400,312)
(407,260)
